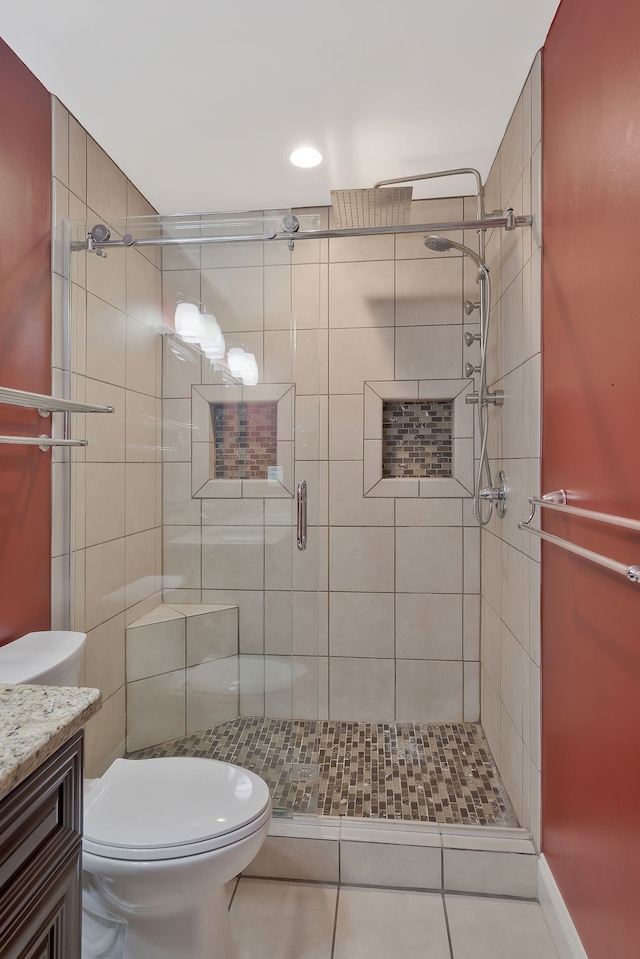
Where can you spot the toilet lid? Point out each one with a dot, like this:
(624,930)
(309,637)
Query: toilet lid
(150,805)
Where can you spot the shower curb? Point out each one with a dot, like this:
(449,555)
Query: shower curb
(496,861)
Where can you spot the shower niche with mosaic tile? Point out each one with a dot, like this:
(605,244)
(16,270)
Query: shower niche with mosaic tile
(242,441)
(418,438)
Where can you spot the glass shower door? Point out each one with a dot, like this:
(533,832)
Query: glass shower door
(254,427)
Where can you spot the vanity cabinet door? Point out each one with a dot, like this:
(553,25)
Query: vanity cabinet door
(49,928)
(40,860)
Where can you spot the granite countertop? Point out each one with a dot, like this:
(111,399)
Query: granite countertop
(34,722)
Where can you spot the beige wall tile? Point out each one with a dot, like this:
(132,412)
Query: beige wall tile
(60,141)
(77,159)
(345,427)
(429,626)
(106,342)
(105,502)
(106,184)
(105,735)
(141,358)
(232,557)
(154,649)
(359,355)
(361,559)
(235,297)
(212,693)
(361,294)
(429,560)
(428,352)
(140,559)
(428,292)
(105,656)
(105,579)
(142,279)
(140,505)
(179,509)
(155,710)
(471,692)
(182,564)
(251,618)
(211,635)
(361,689)
(361,624)
(347,504)
(177,430)
(428,691)
(105,432)
(142,422)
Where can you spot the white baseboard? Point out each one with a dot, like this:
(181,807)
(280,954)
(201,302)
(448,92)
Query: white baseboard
(565,936)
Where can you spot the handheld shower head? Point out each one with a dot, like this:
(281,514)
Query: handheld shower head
(437,243)
(441,244)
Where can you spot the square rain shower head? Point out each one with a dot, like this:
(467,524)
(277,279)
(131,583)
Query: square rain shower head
(380,206)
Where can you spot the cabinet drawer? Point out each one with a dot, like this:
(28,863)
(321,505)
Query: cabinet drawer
(45,809)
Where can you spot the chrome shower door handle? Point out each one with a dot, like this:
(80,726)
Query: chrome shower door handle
(301,497)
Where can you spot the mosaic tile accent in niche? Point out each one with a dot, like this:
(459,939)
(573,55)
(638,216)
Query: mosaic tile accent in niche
(423,772)
(245,438)
(417,438)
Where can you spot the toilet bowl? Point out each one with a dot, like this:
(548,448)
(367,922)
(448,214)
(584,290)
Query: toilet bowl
(161,836)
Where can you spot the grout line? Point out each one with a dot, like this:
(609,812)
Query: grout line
(446,922)
(335,924)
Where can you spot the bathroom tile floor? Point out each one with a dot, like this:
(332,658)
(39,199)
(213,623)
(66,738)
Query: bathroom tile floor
(425,772)
(274,919)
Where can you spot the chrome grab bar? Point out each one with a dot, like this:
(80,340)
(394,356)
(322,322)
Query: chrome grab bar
(301,497)
(558,501)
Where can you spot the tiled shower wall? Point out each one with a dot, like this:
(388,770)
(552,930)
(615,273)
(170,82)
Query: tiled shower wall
(384,617)
(115,360)
(510,620)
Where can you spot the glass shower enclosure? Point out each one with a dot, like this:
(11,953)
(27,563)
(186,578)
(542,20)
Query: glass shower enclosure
(198,563)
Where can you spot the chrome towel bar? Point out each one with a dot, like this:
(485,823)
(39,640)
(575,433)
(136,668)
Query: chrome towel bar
(47,404)
(42,442)
(558,501)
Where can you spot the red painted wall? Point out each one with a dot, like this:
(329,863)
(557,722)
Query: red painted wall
(591,415)
(25,345)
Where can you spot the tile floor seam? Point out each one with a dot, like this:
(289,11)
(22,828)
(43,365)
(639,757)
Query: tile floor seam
(446,922)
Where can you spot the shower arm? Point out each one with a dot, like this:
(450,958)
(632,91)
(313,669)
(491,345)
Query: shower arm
(508,222)
(462,171)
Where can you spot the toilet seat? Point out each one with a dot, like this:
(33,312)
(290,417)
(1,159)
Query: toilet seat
(156,809)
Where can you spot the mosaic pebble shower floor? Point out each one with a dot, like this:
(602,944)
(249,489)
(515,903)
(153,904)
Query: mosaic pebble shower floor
(421,772)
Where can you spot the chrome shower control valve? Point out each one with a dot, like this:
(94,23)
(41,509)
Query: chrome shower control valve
(497,494)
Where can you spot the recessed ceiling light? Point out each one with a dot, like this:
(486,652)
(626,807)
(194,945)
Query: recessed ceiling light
(306,157)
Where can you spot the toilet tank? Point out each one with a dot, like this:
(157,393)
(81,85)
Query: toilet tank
(47,658)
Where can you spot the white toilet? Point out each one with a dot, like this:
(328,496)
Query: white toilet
(161,836)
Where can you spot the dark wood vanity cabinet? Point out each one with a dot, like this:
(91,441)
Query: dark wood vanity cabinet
(41,860)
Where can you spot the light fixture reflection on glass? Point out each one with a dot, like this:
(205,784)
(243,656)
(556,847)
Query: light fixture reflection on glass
(306,157)
(212,339)
(243,366)
(188,322)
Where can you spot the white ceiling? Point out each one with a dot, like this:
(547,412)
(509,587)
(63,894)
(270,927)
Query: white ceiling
(201,102)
